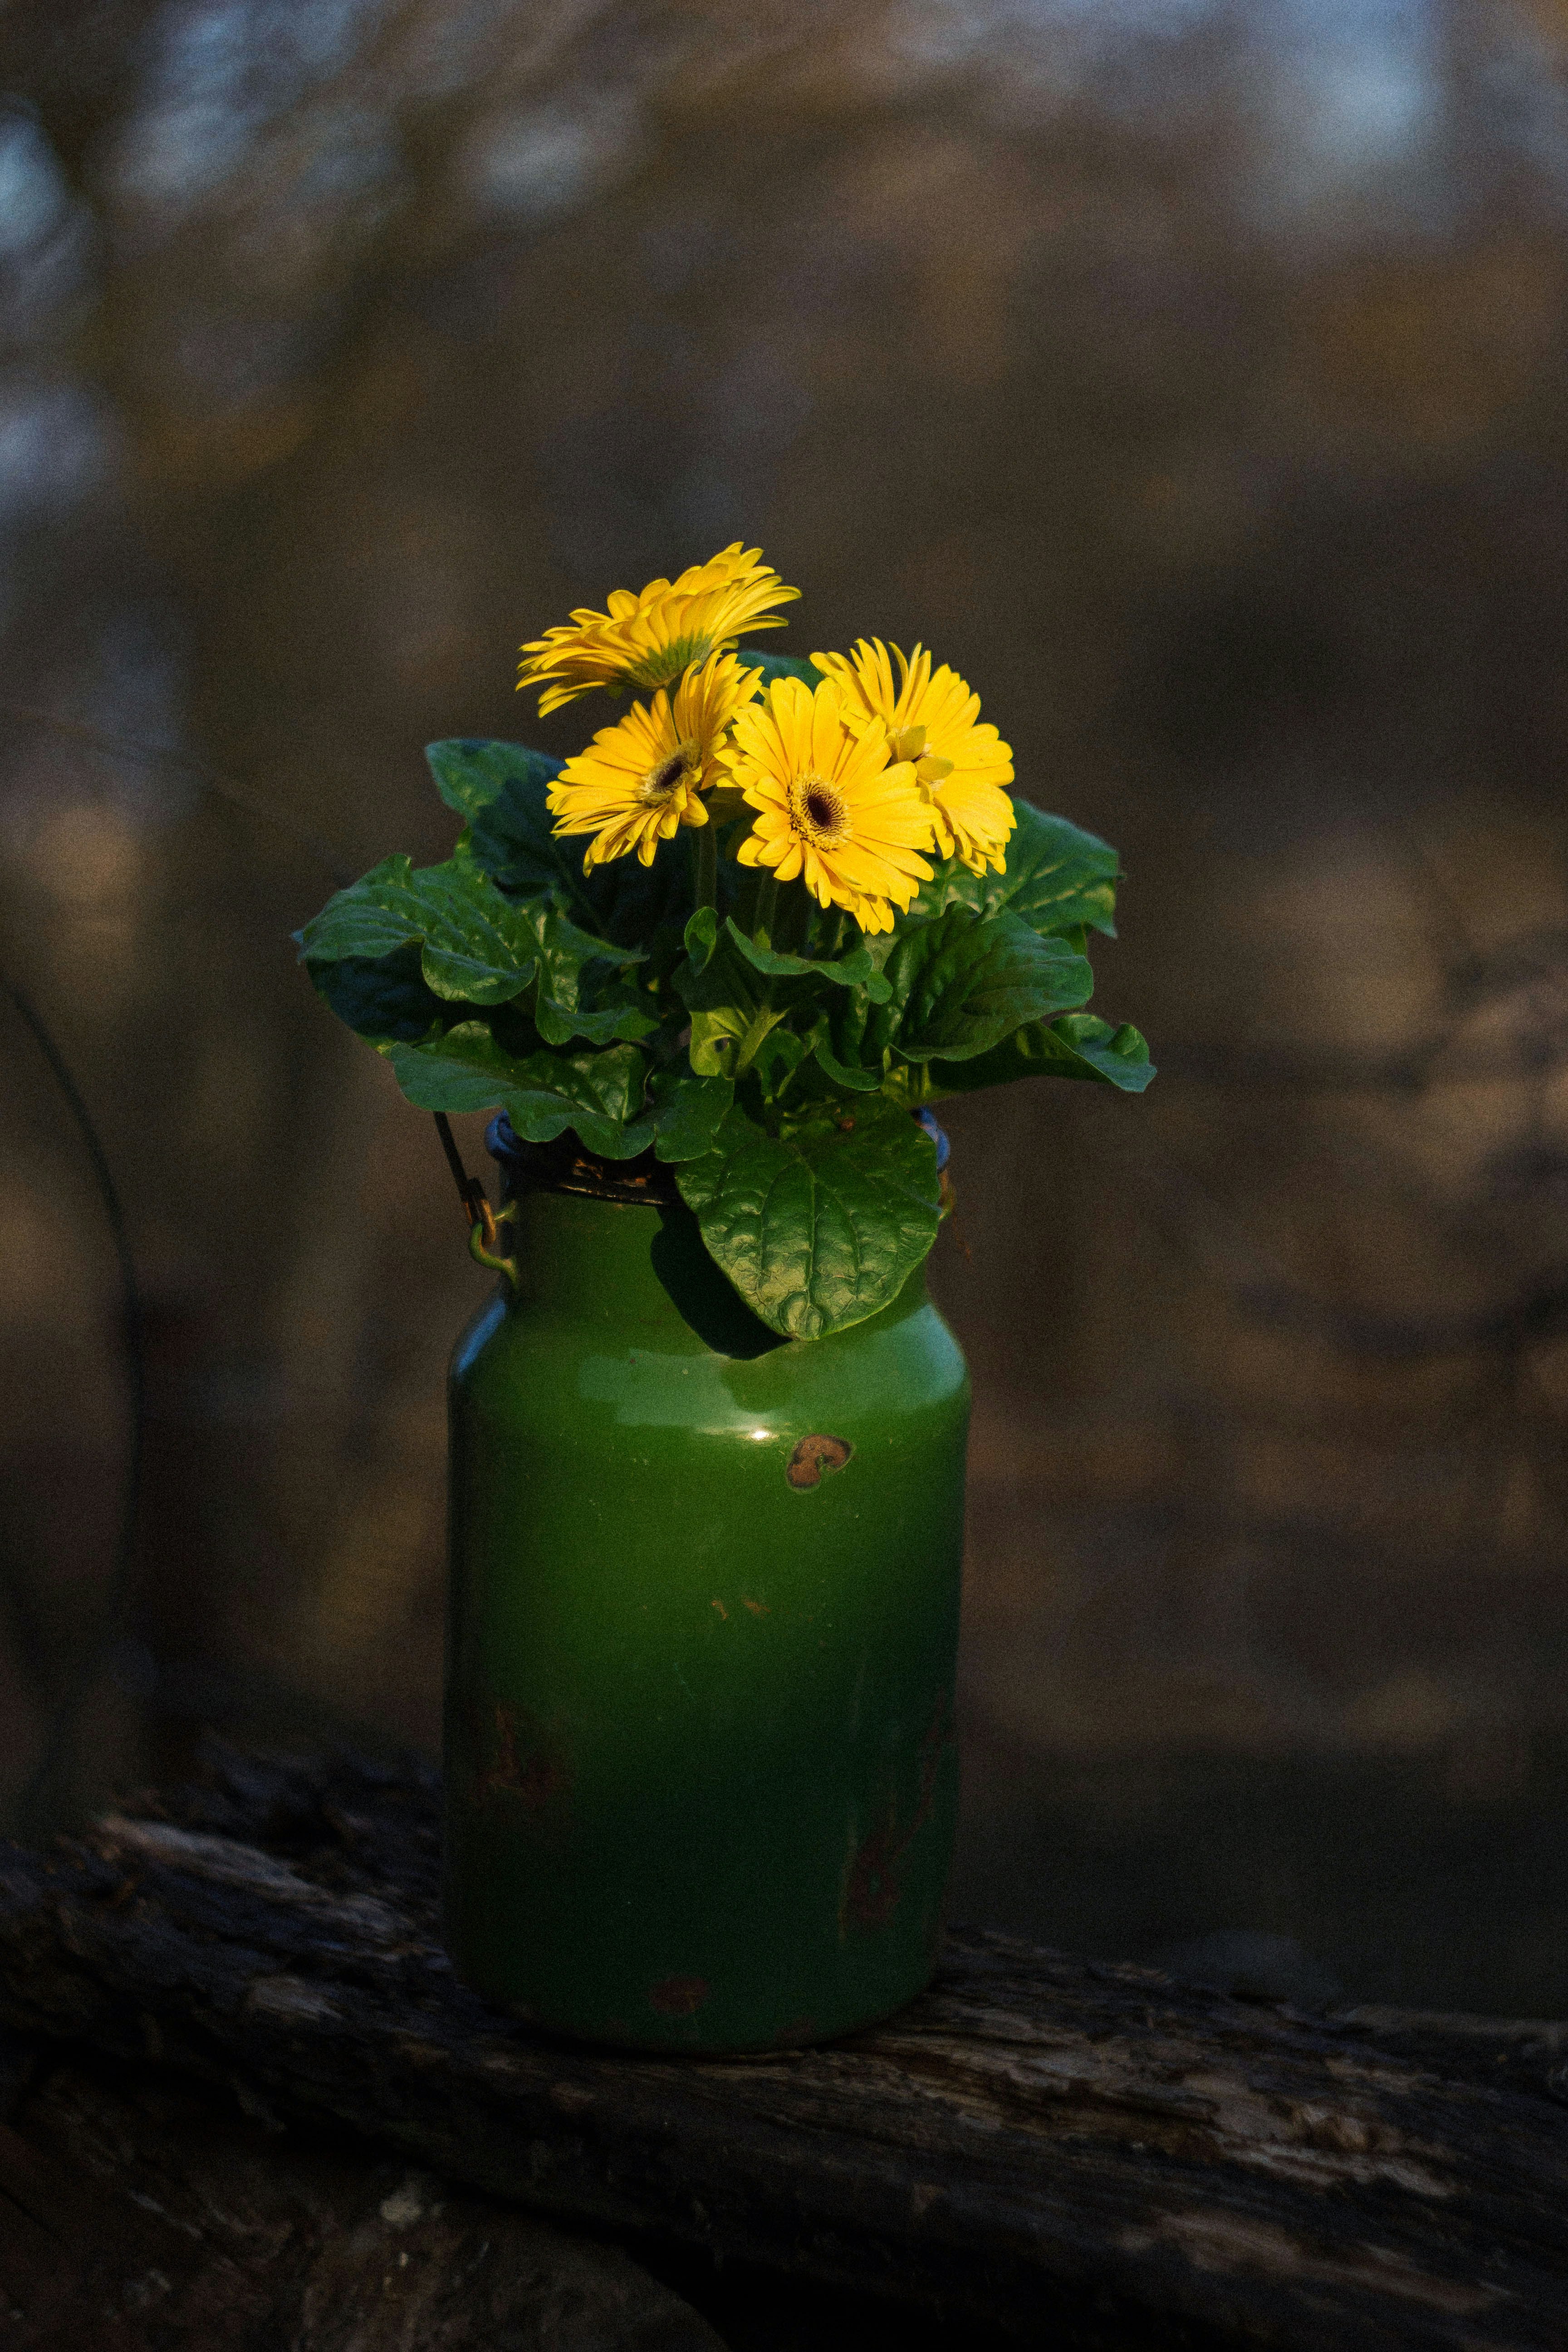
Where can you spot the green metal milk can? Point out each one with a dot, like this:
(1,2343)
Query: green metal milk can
(702,1775)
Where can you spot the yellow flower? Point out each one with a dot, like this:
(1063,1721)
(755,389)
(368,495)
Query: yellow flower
(647,640)
(836,812)
(932,719)
(640,780)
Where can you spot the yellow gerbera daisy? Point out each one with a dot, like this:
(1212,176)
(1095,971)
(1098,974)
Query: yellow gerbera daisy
(835,809)
(932,721)
(639,780)
(649,639)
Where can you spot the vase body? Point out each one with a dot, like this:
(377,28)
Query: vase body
(700,1770)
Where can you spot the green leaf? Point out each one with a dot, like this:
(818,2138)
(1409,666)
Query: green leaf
(860,1032)
(778,665)
(478,947)
(636,904)
(732,1005)
(1081,1045)
(700,937)
(475,945)
(598,1095)
(580,994)
(963,982)
(512,838)
(858,1077)
(511,834)
(686,1112)
(727,1037)
(738,990)
(381,997)
(1058,878)
(819,1229)
(472,774)
(777,1059)
(462,1069)
(1078,1046)
(855,970)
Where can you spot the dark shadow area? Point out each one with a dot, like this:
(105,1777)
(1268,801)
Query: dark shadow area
(699,1294)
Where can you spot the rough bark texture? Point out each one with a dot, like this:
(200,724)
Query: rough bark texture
(140,2213)
(1078,2154)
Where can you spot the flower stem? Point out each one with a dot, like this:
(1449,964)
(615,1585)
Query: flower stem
(767,901)
(708,866)
(793,923)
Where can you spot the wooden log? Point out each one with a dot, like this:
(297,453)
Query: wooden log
(138,2213)
(1072,2152)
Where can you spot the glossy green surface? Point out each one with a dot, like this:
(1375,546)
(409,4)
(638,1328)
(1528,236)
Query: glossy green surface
(700,1768)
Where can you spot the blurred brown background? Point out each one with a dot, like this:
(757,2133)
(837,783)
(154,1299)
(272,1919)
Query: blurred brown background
(1192,376)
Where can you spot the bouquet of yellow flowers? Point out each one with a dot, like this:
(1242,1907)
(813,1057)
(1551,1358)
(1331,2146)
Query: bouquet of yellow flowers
(808,906)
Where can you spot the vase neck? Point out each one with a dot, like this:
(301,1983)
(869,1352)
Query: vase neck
(629,1263)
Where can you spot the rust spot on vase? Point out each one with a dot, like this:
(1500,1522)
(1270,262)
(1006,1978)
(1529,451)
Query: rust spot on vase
(722,1611)
(679,1996)
(757,1608)
(527,1765)
(812,1456)
(873,1882)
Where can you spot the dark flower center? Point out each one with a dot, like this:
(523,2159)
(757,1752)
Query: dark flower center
(818,811)
(682,764)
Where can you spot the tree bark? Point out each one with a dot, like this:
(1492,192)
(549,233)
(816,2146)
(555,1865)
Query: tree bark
(138,2213)
(1075,2153)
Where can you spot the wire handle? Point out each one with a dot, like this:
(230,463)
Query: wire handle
(484,1237)
(484,1222)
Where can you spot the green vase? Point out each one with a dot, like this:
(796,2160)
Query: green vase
(700,1770)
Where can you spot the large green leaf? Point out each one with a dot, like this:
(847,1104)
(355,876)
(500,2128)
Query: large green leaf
(512,838)
(381,997)
(475,945)
(1078,1046)
(464,1068)
(1058,878)
(961,984)
(478,947)
(819,1229)
(471,773)
(598,1095)
(955,986)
